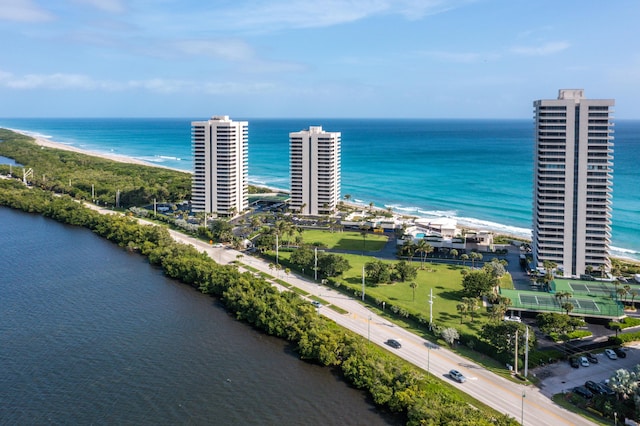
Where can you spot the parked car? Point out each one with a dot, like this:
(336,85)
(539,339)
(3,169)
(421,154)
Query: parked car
(316,304)
(393,343)
(584,361)
(574,362)
(583,392)
(592,358)
(597,388)
(513,318)
(610,354)
(605,385)
(457,376)
(620,352)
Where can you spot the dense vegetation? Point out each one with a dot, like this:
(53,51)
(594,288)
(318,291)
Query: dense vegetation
(389,381)
(82,175)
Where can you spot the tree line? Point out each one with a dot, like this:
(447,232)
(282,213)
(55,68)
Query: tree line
(92,178)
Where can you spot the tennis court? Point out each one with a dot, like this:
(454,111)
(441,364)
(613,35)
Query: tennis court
(549,300)
(590,304)
(592,288)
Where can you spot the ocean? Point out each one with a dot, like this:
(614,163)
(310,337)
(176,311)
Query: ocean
(479,172)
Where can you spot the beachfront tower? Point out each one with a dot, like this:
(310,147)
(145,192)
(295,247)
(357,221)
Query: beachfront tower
(220,159)
(573,183)
(315,171)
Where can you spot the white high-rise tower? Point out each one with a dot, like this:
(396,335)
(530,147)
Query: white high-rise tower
(315,171)
(573,182)
(220,176)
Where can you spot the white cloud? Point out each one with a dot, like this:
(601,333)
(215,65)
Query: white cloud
(542,50)
(22,11)
(233,50)
(113,6)
(273,14)
(61,81)
(56,81)
(459,57)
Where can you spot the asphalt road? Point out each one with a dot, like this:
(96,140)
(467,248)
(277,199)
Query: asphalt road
(522,402)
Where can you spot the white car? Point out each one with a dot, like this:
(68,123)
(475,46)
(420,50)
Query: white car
(513,318)
(457,376)
(584,361)
(610,354)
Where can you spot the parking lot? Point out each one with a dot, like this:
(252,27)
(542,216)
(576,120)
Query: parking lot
(561,377)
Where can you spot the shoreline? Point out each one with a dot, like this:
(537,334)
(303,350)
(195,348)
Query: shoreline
(468,223)
(48,143)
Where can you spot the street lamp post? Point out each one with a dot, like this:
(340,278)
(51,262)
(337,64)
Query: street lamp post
(363,283)
(369,330)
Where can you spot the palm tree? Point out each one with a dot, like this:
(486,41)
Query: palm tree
(549,267)
(256,221)
(499,310)
(603,270)
(561,295)
(413,286)
(568,307)
(627,291)
(423,248)
(634,293)
(364,230)
(474,256)
(472,305)
(464,258)
(462,310)
(454,253)
(410,249)
(621,292)
(589,269)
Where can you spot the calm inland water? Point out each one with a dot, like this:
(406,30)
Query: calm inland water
(90,334)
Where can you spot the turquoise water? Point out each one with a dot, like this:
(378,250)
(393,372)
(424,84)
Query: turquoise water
(477,171)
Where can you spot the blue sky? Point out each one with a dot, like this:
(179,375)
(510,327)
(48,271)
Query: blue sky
(322,58)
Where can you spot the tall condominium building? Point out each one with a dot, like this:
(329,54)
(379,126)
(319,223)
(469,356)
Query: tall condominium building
(220,176)
(315,171)
(573,182)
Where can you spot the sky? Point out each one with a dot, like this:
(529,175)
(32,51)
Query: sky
(314,58)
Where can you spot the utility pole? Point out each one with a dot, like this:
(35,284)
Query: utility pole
(430,308)
(276,248)
(516,354)
(526,352)
(315,264)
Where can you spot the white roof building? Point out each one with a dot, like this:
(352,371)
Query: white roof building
(220,181)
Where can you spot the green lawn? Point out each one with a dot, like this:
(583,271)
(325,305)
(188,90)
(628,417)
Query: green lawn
(345,240)
(444,280)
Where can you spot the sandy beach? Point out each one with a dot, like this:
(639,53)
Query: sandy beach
(47,143)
